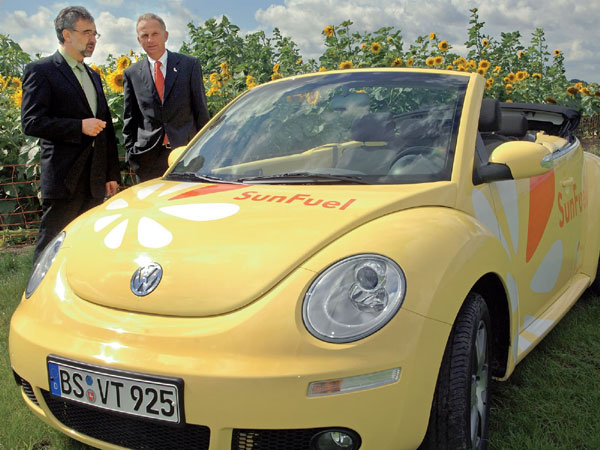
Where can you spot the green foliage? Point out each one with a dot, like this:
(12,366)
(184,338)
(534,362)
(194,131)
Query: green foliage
(12,58)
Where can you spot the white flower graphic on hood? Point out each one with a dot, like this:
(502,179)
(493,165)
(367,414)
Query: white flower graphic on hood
(150,233)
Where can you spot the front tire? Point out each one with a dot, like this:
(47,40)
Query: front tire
(460,411)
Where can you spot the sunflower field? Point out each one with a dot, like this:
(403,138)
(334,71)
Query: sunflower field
(232,63)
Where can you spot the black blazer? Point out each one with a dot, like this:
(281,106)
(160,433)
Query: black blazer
(52,109)
(182,113)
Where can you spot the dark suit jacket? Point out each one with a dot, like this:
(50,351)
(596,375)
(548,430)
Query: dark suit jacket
(182,113)
(52,109)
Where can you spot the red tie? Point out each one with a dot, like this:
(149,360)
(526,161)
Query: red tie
(159,82)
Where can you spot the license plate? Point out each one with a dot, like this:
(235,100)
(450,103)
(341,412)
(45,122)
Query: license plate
(141,395)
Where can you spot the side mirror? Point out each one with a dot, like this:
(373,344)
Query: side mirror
(516,160)
(175,155)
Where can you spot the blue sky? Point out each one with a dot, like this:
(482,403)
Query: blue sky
(570,26)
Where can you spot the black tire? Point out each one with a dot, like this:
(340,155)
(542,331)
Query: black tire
(595,286)
(460,412)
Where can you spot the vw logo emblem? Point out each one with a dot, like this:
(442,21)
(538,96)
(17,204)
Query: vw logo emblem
(145,279)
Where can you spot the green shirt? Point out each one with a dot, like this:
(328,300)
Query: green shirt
(84,79)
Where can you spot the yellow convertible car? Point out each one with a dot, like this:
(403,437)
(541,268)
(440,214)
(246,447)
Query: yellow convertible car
(337,261)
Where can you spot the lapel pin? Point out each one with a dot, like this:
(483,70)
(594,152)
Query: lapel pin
(174,69)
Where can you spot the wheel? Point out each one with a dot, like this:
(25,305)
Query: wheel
(460,411)
(595,286)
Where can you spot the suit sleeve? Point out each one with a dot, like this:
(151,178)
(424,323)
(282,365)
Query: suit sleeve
(130,114)
(199,107)
(37,113)
(113,170)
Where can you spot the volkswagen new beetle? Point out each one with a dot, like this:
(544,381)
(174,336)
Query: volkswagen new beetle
(338,260)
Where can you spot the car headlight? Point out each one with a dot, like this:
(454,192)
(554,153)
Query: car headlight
(353,298)
(42,265)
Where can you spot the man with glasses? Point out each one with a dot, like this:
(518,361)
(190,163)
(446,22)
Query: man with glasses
(64,105)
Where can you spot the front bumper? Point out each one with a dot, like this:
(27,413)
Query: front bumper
(246,374)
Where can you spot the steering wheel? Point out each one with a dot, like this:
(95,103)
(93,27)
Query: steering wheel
(416,150)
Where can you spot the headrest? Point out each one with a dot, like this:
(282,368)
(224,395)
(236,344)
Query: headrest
(373,127)
(490,116)
(514,124)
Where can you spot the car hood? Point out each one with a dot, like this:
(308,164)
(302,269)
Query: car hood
(220,246)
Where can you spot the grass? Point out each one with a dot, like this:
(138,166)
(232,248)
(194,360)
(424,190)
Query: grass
(551,402)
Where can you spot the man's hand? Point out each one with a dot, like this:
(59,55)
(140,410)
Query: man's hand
(111,188)
(92,126)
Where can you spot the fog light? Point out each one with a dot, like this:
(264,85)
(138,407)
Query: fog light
(336,439)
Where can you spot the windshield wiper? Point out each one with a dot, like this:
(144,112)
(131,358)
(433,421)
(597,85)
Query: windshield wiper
(303,178)
(193,176)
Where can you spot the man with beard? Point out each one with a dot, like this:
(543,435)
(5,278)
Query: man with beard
(64,105)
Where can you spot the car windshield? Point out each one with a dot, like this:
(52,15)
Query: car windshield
(386,127)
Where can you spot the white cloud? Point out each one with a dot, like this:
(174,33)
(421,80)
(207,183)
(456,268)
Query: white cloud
(110,3)
(118,37)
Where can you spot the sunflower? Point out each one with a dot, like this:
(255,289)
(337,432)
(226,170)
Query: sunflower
(511,77)
(299,61)
(322,69)
(224,67)
(521,75)
(430,61)
(557,52)
(215,78)
(328,31)
(461,68)
(572,90)
(497,69)
(114,80)
(489,81)
(585,91)
(251,82)
(597,94)
(17,97)
(397,62)
(484,64)
(98,70)
(16,83)
(449,67)
(472,64)
(509,88)
(579,85)
(410,62)
(3,82)
(214,90)
(520,55)
(485,43)
(508,100)
(276,76)
(375,47)
(346,65)
(481,72)
(123,63)
(438,60)
(131,52)
(431,36)
(444,46)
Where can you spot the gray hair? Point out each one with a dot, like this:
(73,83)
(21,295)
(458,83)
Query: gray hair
(151,16)
(67,17)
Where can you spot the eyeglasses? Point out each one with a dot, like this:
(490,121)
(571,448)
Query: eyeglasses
(89,33)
